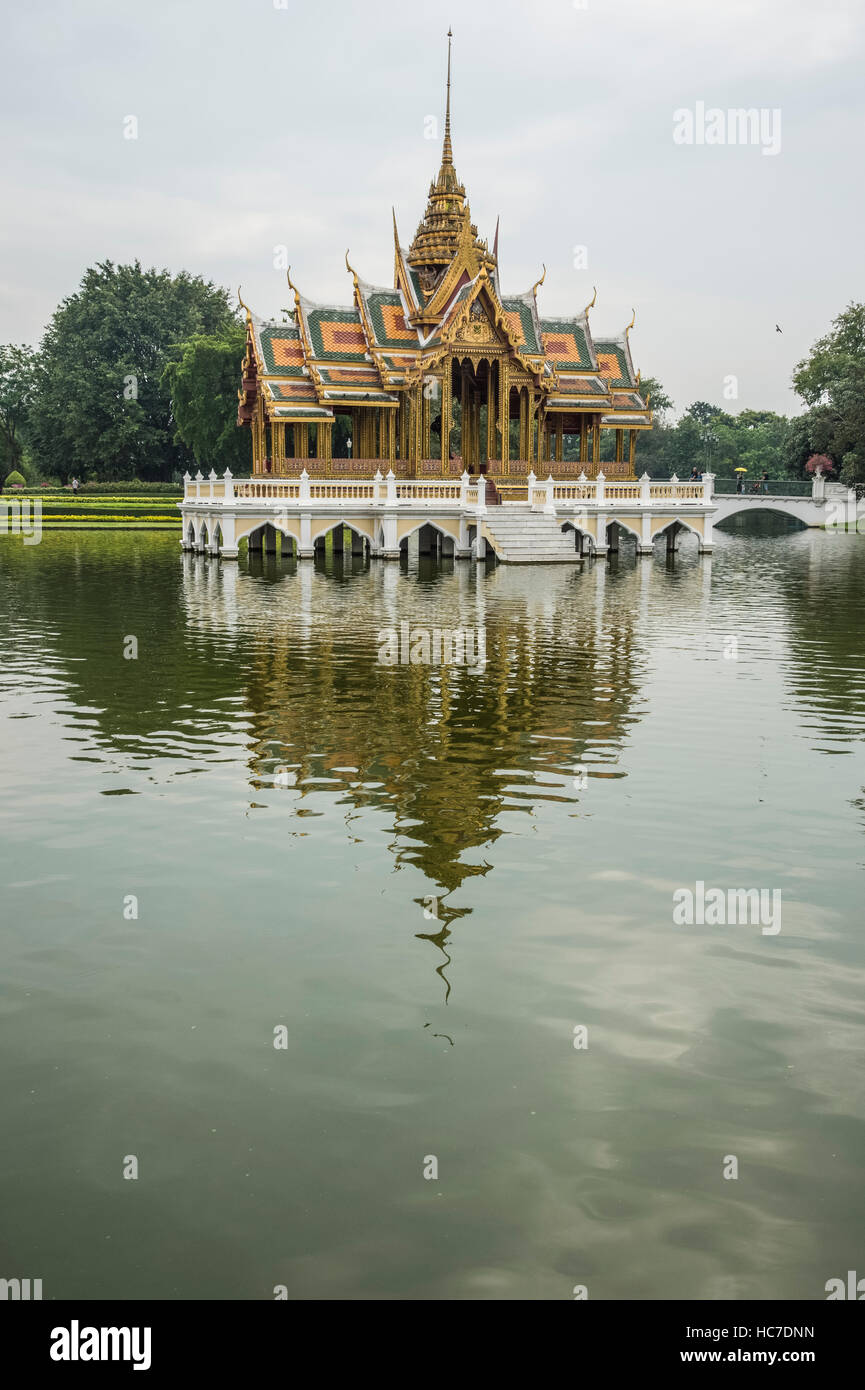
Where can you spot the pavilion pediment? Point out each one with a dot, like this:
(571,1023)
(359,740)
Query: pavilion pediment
(479,328)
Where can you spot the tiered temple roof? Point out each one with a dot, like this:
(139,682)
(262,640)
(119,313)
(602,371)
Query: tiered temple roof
(445,305)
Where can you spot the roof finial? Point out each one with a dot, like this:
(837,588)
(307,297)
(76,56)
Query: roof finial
(631,324)
(292,286)
(538,283)
(592,301)
(447,152)
(242,305)
(351,270)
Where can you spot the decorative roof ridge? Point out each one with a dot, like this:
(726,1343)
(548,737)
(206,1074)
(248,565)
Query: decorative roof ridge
(581,318)
(622,342)
(456,299)
(309,304)
(525,297)
(458,296)
(366,287)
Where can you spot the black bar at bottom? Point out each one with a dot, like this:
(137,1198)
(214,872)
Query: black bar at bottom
(63,1339)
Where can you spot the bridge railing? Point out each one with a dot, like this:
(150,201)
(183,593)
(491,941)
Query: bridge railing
(772,487)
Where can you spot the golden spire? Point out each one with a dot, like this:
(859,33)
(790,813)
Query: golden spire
(447,152)
(592,301)
(446,229)
(536,286)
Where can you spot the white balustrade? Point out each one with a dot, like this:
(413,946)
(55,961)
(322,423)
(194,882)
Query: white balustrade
(457,494)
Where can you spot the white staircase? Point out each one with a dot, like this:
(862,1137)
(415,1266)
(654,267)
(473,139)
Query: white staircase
(520,536)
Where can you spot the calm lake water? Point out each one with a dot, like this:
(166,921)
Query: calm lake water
(401,867)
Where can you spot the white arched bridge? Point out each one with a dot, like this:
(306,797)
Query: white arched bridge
(556,521)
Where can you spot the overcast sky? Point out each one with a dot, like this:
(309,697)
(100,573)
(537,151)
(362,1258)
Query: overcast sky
(264,123)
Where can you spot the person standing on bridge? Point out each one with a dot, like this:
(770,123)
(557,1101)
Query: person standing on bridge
(765,481)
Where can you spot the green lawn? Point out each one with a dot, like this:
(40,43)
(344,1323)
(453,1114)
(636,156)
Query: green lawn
(60,508)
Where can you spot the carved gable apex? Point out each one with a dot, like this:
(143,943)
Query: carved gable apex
(480,321)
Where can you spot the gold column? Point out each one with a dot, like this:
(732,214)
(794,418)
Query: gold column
(391,437)
(418,426)
(425,427)
(491,414)
(632,450)
(596,444)
(584,439)
(278,429)
(324,440)
(258,439)
(446,416)
(560,439)
(504,410)
(465,432)
(620,445)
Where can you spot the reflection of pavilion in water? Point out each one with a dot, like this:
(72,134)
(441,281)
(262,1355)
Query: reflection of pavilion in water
(444,751)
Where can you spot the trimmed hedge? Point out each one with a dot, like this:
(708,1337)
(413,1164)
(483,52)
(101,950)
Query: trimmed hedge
(134,485)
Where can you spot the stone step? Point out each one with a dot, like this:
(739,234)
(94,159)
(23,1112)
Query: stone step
(525,537)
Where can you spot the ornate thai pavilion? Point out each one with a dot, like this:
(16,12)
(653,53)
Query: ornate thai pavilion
(440,373)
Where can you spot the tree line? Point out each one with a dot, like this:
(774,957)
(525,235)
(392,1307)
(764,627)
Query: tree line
(138,371)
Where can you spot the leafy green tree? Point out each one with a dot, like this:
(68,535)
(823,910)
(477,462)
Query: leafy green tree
(101,409)
(661,404)
(17,381)
(763,442)
(710,439)
(202,383)
(831,381)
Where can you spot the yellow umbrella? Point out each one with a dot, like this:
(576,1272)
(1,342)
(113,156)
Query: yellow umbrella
(740,470)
